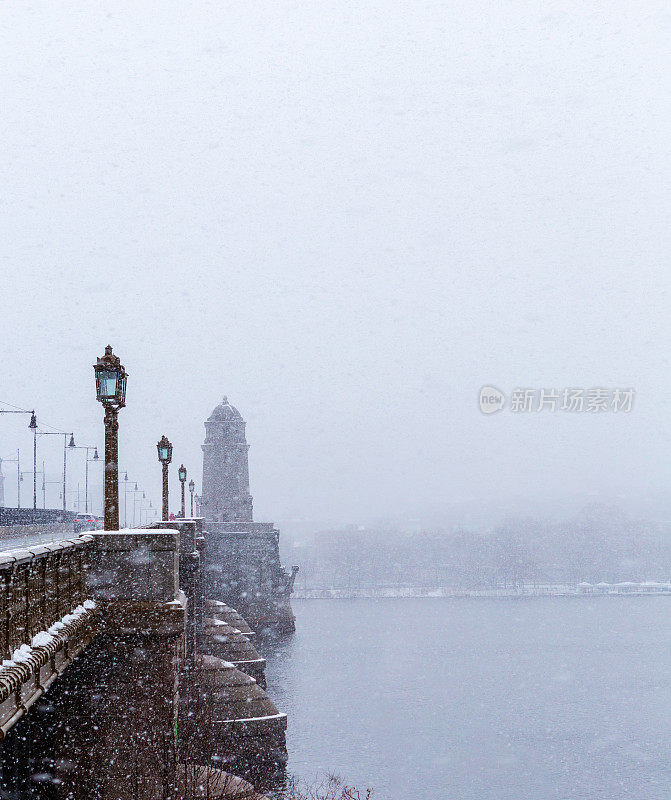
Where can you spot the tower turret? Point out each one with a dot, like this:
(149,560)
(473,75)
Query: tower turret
(226,496)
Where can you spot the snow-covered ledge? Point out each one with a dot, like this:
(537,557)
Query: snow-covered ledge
(48,620)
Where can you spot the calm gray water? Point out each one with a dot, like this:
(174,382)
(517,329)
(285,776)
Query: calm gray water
(530,699)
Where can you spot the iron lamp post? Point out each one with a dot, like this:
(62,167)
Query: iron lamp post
(192,487)
(181,473)
(164,448)
(111,380)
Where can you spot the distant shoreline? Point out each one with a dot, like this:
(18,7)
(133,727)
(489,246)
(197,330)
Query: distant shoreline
(541,590)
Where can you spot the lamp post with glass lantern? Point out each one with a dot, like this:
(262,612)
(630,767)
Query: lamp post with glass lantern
(181,474)
(111,380)
(192,487)
(164,448)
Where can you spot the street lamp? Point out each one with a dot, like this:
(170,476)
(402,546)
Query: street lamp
(192,487)
(33,427)
(151,510)
(46,483)
(135,493)
(16,461)
(181,474)
(96,457)
(111,380)
(71,445)
(165,457)
(125,492)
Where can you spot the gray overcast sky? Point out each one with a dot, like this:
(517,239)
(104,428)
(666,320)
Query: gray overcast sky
(347,217)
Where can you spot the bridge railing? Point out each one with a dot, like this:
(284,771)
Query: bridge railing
(38,587)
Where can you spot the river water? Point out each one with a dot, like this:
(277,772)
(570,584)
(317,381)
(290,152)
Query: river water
(475,699)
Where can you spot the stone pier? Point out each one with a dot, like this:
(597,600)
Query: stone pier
(135,664)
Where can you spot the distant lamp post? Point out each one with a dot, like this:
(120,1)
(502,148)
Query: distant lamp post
(33,427)
(181,473)
(125,508)
(165,457)
(96,457)
(16,461)
(135,494)
(192,487)
(71,445)
(111,380)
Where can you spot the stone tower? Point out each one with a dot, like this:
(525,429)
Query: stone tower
(2,486)
(244,568)
(226,496)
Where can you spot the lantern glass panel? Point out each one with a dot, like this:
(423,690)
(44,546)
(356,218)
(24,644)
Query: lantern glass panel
(182,474)
(107,383)
(163,453)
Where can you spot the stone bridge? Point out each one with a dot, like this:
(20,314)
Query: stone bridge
(157,688)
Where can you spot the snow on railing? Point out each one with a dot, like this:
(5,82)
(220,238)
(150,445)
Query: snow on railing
(39,585)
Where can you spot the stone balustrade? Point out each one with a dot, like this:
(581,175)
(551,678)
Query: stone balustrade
(46,620)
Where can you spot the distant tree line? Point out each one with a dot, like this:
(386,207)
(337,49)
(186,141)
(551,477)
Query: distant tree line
(598,544)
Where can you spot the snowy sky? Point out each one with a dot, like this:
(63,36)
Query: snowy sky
(347,217)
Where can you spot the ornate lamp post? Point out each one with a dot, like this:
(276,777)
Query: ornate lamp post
(192,486)
(111,380)
(165,457)
(181,473)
